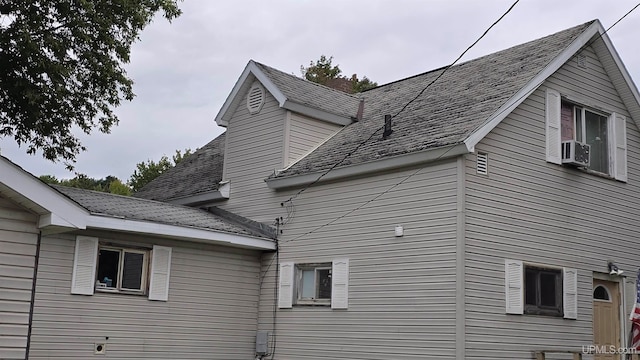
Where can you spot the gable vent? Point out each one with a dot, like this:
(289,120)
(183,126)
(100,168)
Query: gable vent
(255,98)
(581,60)
(482,163)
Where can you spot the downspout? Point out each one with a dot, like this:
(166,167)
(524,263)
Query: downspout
(33,294)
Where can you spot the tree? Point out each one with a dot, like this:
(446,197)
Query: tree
(149,170)
(110,184)
(323,71)
(62,68)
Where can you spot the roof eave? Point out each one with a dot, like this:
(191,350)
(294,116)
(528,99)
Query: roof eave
(62,212)
(394,162)
(629,92)
(99,222)
(317,113)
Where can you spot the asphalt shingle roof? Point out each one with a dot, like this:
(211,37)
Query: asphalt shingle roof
(200,172)
(127,207)
(314,95)
(460,102)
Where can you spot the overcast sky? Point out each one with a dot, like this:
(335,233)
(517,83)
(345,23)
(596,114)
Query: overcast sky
(184,70)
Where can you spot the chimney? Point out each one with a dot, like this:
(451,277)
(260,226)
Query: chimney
(341,84)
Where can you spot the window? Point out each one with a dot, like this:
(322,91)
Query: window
(109,268)
(122,269)
(313,284)
(605,132)
(543,291)
(540,290)
(588,127)
(601,293)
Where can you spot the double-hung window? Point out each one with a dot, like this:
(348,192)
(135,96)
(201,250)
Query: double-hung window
(604,132)
(588,127)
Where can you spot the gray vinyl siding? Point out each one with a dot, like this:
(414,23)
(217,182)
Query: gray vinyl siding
(402,290)
(304,135)
(530,210)
(254,150)
(18,239)
(211,312)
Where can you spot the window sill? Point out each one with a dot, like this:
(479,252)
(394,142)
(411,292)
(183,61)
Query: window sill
(116,291)
(313,303)
(596,173)
(590,172)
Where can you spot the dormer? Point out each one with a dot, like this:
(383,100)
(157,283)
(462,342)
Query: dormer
(291,93)
(274,119)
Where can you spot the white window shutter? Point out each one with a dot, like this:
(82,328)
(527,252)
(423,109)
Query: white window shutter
(83,280)
(513,286)
(340,284)
(553,129)
(285,286)
(619,146)
(160,270)
(570,293)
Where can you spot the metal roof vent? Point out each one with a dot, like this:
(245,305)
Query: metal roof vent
(255,98)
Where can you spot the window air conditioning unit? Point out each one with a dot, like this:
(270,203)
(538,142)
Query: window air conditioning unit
(575,153)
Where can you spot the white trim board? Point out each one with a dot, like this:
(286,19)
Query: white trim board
(416,158)
(99,222)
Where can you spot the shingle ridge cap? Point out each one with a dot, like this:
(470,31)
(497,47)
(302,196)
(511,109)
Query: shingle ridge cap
(324,87)
(466,62)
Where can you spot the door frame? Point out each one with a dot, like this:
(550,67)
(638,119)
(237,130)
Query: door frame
(621,280)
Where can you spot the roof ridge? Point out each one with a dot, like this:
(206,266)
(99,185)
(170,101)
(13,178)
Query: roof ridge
(324,87)
(56,187)
(466,62)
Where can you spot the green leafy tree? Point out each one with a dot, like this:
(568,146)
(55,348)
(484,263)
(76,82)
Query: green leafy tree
(118,187)
(110,184)
(149,170)
(62,68)
(322,71)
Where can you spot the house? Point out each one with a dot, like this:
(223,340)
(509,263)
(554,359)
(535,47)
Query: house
(122,277)
(471,212)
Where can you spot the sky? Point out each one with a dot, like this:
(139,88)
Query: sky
(184,70)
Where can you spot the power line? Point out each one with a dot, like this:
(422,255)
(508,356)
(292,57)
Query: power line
(453,145)
(402,109)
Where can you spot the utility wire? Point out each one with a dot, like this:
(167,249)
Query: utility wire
(349,154)
(452,146)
